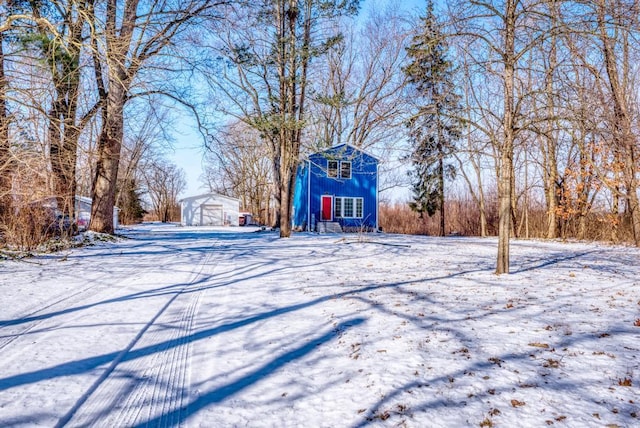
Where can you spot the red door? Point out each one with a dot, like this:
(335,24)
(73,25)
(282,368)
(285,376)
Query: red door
(327,208)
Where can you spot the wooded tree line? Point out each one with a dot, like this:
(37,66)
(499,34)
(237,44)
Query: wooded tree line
(542,113)
(550,91)
(81,89)
(545,102)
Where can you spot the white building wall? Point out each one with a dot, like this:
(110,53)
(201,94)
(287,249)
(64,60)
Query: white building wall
(209,210)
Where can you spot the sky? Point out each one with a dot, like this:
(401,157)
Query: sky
(188,148)
(188,153)
(179,326)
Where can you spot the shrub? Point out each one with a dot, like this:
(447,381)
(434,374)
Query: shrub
(30,228)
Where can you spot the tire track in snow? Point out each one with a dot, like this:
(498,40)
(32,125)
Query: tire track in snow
(149,379)
(62,303)
(38,315)
(163,383)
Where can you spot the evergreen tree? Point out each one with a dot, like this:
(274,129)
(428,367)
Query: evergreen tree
(434,128)
(130,204)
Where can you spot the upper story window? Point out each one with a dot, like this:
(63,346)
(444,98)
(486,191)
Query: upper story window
(332,169)
(340,169)
(345,169)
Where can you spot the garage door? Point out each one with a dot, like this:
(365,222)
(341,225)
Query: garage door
(211,215)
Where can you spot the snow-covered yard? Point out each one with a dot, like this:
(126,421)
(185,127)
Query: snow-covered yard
(219,328)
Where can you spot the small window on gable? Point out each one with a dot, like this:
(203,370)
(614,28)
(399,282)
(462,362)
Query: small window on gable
(345,169)
(332,169)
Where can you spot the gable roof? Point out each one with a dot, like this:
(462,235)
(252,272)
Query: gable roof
(335,148)
(209,195)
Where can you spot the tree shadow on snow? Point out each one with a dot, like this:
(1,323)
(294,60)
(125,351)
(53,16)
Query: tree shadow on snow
(204,282)
(88,364)
(223,392)
(392,406)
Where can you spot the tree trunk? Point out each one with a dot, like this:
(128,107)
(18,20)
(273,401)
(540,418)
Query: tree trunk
(506,155)
(110,141)
(504,213)
(284,214)
(551,187)
(6,198)
(278,183)
(615,214)
(550,140)
(585,184)
(289,129)
(632,191)
(286,202)
(513,199)
(441,196)
(109,145)
(288,167)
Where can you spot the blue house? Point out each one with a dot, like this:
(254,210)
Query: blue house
(338,185)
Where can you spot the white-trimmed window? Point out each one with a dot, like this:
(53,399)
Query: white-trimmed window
(341,169)
(359,207)
(332,169)
(345,169)
(337,207)
(344,207)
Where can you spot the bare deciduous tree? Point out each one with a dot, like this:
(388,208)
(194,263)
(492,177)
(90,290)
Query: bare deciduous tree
(503,32)
(236,166)
(163,182)
(269,49)
(135,33)
(360,99)
(614,18)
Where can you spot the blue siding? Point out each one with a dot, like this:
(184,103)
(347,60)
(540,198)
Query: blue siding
(300,197)
(362,184)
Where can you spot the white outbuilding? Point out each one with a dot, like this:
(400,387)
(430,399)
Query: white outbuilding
(83,213)
(209,209)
